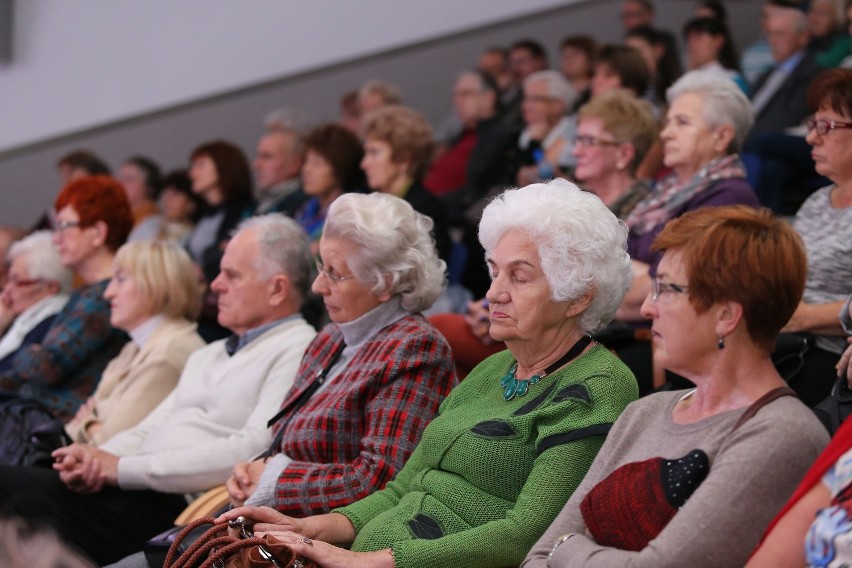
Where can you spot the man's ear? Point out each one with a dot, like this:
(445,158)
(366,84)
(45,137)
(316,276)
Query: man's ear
(279,290)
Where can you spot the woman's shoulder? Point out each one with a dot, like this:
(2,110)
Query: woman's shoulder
(786,420)
(817,205)
(727,191)
(176,338)
(599,362)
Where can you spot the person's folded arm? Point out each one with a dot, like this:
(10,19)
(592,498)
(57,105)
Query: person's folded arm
(816,318)
(722,521)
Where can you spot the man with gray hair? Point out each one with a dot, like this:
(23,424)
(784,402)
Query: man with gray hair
(784,161)
(546,140)
(108,500)
(778,95)
(278,162)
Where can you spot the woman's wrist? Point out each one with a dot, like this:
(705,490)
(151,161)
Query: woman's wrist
(559,542)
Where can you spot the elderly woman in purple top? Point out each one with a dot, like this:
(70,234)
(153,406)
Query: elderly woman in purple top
(705,126)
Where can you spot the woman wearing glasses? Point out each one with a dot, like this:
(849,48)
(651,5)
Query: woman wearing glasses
(93,220)
(614,131)
(691,478)
(825,224)
(36,290)
(379,370)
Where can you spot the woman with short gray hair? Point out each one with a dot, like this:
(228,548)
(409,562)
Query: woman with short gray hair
(393,247)
(36,290)
(706,123)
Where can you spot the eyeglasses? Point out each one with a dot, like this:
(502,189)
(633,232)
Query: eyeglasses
(823,126)
(588,141)
(59,226)
(21,282)
(335,279)
(658,288)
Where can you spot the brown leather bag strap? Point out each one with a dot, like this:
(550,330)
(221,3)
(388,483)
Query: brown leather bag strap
(214,534)
(761,402)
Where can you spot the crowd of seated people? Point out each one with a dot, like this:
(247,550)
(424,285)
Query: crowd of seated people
(329,409)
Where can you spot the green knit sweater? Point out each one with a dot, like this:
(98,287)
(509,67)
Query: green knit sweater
(489,476)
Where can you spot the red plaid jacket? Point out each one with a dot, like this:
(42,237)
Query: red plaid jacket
(355,434)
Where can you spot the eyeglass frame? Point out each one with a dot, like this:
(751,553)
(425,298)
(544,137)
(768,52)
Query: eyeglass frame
(589,141)
(60,226)
(658,287)
(823,126)
(335,279)
(22,283)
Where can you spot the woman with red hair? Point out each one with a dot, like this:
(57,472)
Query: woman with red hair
(92,219)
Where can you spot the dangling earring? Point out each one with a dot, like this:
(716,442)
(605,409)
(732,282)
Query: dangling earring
(721,344)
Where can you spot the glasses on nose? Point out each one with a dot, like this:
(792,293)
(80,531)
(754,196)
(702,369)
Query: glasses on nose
(333,277)
(22,282)
(59,226)
(658,287)
(588,141)
(824,126)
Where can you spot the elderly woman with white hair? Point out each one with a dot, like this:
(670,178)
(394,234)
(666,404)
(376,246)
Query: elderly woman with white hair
(705,127)
(372,379)
(691,478)
(517,436)
(545,142)
(36,291)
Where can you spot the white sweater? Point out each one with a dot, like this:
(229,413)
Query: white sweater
(215,417)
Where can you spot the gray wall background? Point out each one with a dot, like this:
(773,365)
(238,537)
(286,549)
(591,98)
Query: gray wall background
(425,72)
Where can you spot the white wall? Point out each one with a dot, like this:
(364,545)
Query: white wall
(83,63)
(48,116)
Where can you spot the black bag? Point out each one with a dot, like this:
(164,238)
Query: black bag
(835,408)
(28,431)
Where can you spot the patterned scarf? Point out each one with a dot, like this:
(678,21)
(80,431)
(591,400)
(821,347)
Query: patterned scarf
(670,195)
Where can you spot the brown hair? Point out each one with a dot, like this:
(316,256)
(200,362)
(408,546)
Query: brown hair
(232,169)
(628,64)
(406,131)
(831,89)
(341,149)
(740,254)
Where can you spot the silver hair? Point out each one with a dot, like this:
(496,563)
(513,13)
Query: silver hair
(724,103)
(558,86)
(284,248)
(581,244)
(288,119)
(42,259)
(390,239)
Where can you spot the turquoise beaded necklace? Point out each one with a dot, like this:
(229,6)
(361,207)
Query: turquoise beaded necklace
(513,386)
